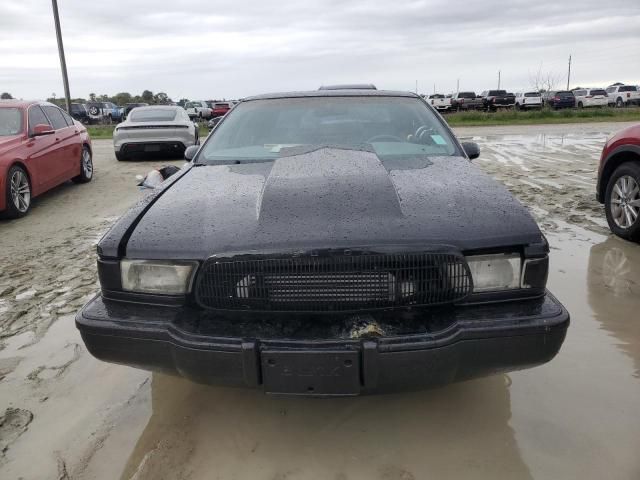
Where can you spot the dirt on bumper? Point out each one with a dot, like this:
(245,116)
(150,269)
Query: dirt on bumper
(480,340)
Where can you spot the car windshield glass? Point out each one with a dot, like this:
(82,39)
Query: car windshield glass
(493,93)
(531,94)
(628,88)
(466,95)
(392,127)
(598,92)
(564,94)
(10,121)
(152,115)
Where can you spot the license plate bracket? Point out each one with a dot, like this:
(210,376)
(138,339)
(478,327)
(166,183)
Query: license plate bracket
(317,373)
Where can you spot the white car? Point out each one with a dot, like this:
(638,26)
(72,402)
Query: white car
(526,100)
(157,129)
(440,102)
(199,109)
(623,95)
(591,97)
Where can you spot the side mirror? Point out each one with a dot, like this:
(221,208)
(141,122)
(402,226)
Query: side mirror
(190,152)
(43,129)
(471,149)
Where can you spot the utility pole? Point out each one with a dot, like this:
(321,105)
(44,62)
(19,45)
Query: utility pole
(569,73)
(434,88)
(416,86)
(498,79)
(63,63)
(458,86)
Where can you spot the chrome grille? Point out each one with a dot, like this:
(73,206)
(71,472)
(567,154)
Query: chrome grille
(333,282)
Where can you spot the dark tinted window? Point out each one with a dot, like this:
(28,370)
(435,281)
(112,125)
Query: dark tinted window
(36,117)
(580,93)
(564,94)
(628,88)
(495,93)
(532,94)
(597,92)
(152,115)
(611,89)
(77,108)
(55,115)
(467,95)
(437,95)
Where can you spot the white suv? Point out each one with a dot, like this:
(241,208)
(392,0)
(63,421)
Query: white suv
(591,97)
(526,100)
(622,95)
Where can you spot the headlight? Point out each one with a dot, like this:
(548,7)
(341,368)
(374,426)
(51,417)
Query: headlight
(495,272)
(157,276)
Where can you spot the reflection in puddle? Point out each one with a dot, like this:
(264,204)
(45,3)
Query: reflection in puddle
(614,292)
(461,431)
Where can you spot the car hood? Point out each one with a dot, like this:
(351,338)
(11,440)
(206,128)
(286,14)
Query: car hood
(8,143)
(331,198)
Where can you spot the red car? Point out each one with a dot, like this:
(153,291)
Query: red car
(619,183)
(220,108)
(41,146)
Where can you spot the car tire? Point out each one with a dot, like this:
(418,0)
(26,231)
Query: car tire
(619,103)
(17,193)
(121,157)
(86,167)
(619,221)
(580,105)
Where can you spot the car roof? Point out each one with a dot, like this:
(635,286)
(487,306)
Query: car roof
(21,103)
(333,93)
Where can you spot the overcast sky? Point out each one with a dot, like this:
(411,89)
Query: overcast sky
(231,49)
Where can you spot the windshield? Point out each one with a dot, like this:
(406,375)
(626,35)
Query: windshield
(466,95)
(10,121)
(262,130)
(152,115)
(531,94)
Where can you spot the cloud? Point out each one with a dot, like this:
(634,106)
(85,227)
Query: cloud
(215,49)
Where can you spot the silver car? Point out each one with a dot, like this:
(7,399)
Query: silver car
(155,129)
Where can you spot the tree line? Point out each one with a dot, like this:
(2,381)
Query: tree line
(122,98)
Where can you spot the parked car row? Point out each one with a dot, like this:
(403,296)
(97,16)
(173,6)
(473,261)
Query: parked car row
(207,109)
(492,100)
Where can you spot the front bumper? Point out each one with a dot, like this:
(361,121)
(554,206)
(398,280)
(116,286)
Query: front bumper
(473,341)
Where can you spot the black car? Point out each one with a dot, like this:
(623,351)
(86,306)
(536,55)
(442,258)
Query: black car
(79,112)
(492,100)
(333,242)
(560,99)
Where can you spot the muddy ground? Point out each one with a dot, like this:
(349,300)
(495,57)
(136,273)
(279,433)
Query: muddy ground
(66,415)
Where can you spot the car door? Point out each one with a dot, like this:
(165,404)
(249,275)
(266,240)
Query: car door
(42,153)
(67,155)
(75,146)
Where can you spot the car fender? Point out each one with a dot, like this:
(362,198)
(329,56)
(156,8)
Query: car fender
(616,157)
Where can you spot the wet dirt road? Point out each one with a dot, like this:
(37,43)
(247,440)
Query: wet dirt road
(69,416)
